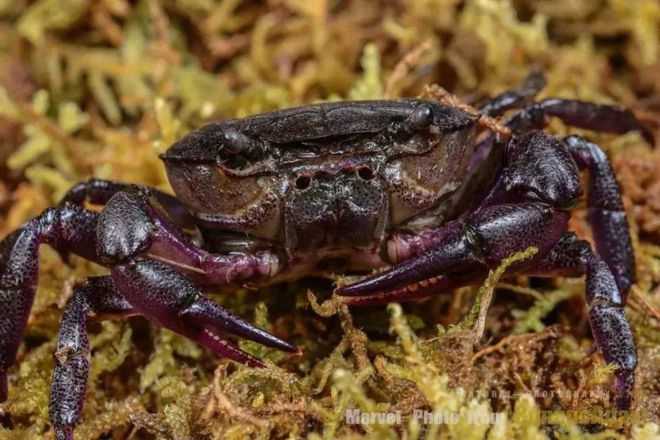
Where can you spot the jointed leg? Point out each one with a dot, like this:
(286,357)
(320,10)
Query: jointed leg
(606,213)
(130,231)
(96,299)
(98,192)
(587,115)
(148,257)
(610,327)
(523,209)
(541,169)
(516,98)
(132,225)
(565,259)
(6,246)
(590,116)
(473,245)
(570,257)
(67,229)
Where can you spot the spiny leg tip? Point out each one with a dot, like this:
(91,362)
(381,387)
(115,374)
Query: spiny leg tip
(63,432)
(623,388)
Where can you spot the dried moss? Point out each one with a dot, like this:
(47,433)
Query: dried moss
(100,88)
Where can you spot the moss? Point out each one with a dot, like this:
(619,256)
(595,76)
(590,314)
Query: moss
(477,314)
(531,319)
(101,88)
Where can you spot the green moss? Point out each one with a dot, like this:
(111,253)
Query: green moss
(101,88)
(477,315)
(530,319)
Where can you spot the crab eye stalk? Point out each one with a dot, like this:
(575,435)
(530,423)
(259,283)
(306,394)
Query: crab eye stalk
(236,150)
(234,142)
(422,117)
(418,121)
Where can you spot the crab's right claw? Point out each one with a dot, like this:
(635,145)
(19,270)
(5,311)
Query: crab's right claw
(171,299)
(208,319)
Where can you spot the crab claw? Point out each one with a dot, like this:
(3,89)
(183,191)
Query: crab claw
(372,291)
(421,275)
(223,347)
(409,273)
(167,297)
(413,291)
(206,315)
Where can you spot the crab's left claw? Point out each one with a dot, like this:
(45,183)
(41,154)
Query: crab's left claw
(421,276)
(445,266)
(468,249)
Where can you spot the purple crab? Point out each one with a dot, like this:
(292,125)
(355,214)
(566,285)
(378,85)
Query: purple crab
(421,187)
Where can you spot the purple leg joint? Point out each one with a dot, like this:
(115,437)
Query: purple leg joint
(68,229)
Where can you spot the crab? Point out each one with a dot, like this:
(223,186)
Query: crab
(423,189)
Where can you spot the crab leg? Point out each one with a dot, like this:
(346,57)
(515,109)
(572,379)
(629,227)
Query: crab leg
(68,228)
(6,246)
(565,259)
(581,114)
(98,192)
(606,213)
(515,215)
(596,117)
(610,327)
(96,299)
(461,250)
(478,243)
(133,224)
(510,99)
(570,257)
(131,230)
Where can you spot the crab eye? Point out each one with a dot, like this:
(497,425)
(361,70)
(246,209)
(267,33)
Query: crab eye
(422,117)
(234,142)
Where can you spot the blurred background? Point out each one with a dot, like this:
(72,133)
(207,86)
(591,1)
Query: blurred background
(100,88)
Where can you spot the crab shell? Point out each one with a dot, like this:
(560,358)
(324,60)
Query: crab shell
(332,175)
